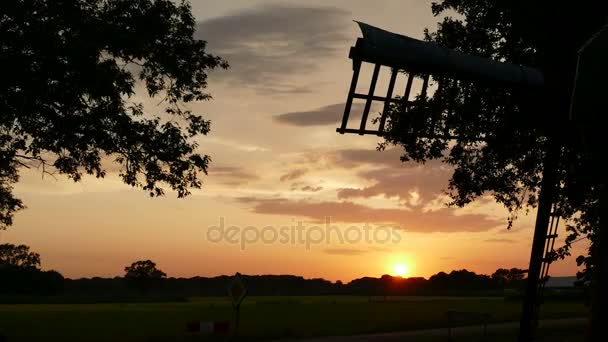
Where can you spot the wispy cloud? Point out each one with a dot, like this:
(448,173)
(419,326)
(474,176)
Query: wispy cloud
(232,175)
(240,146)
(293,175)
(500,240)
(311,188)
(441,220)
(425,182)
(344,251)
(409,182)
(268,44)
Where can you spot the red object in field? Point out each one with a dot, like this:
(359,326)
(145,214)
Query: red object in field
(221,327)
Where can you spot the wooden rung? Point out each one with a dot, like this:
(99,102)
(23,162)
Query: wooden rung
(376,98)
(425,85)
(358,131)
(381,133)
(368,103)
(389,96)
(408,87)
(552,236)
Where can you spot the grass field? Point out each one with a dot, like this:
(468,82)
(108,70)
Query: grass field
(262,318)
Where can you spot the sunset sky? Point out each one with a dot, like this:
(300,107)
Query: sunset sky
(276,161)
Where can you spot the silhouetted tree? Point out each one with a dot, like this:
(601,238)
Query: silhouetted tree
(19,256)
(20,273)
(461,280)
(508,277)
(509,163)
(144,275)
(501,276)
(518,129)
(516,274)
(69,72)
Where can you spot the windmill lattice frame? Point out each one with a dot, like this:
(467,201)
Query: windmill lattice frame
(419,59)
(423,59)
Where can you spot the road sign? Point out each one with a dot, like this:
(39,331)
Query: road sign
(237,290)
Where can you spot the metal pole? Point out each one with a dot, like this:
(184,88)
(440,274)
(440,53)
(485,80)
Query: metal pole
(597,329)
(545,201)
(236,322)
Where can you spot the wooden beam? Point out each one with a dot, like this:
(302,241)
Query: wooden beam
(368,103)
(402,52)
(387,100)
(351,92)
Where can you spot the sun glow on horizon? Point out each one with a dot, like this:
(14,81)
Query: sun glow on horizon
(401,270)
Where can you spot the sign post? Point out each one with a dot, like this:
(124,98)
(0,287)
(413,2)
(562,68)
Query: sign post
(237,291)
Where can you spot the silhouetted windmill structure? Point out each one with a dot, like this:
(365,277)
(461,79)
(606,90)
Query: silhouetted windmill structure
(419,61)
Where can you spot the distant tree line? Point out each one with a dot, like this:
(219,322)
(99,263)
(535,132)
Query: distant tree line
(20,274)
(460,282)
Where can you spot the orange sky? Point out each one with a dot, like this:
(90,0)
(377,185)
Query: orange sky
(277,161)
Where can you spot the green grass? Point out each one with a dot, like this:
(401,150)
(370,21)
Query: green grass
(261,317)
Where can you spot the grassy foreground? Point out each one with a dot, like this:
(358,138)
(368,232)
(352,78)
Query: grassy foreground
(261,317)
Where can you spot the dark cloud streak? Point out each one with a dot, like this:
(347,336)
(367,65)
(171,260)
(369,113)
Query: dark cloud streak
(231,175)
(293,175)
(324,116)
(413,220)
(311,188)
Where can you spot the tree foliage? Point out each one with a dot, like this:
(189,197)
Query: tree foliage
(144,270)
(509,277)
(20,273)
(70,69)
(18,256)
(143,275)
(502,134)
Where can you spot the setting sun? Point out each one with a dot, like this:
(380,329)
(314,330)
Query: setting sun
(401,270)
